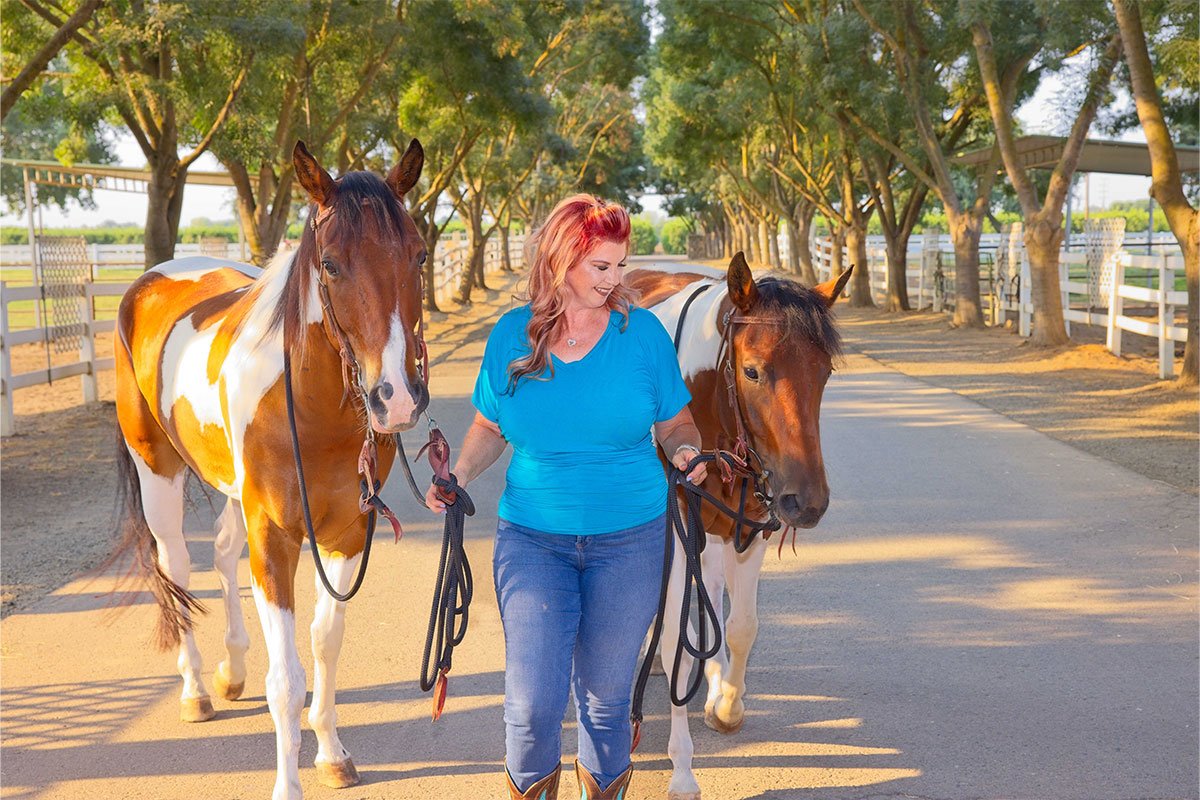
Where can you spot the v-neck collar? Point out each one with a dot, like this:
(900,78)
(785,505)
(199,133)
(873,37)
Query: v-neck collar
(559,362)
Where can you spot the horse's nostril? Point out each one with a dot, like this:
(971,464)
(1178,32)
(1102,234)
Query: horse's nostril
(790,504)
(378,397)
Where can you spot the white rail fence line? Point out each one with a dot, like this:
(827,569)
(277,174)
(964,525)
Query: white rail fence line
(928,289)
(450,259)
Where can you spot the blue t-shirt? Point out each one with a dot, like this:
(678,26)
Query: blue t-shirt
(583,458)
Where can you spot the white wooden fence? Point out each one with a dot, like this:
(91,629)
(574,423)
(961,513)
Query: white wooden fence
(928,289)
(450,258)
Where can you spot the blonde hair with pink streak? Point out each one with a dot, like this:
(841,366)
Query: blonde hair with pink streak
(575,227)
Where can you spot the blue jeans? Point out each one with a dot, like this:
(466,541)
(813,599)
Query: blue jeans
(582,602)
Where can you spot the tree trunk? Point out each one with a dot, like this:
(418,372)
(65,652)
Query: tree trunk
(897,267)
(773,243)
(505,260)
(860,281)
(430,234)
(1042,241)
(836,261)
(964,232)
(794,246)
(165,196)
(808,275)
(1167,185)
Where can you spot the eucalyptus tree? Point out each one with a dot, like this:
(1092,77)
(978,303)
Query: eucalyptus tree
(309,89)
(1008,36)
(171,72)
(579,60)
(1175,23)
(930,55)
(32,65)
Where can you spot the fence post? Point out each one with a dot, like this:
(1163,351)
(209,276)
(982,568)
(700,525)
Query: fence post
(90,383)
(1166,318)
(1116,305)
(1064,297)
(1024,298)
(6,403)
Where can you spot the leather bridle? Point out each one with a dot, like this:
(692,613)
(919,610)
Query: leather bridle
(743,460)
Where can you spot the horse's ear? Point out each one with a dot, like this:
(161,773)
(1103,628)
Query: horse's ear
(831,289)
(405,174)
(742,290)
(312,176)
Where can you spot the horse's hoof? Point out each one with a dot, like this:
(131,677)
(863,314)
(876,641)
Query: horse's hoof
(683,795)
(721,726)
(230,691)
(339,775)
(196,709)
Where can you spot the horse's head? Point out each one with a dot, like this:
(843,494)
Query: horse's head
(783,345)
(366,255)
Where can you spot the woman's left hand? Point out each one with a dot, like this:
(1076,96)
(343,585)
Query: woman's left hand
(682,458)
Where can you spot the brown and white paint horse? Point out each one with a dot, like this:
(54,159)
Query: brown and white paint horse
(782,348)
(200,348)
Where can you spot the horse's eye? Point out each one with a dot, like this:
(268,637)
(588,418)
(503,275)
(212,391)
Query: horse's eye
(329,267)
(751,373)
(423,257)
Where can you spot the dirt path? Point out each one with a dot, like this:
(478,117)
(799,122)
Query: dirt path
(1082,394)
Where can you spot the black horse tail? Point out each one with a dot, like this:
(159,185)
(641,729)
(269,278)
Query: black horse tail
(134,540)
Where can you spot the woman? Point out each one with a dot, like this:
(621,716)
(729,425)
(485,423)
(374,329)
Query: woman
(575,381)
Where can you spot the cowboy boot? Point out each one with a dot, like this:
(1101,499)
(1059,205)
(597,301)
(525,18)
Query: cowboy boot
(544,789)
(590,790)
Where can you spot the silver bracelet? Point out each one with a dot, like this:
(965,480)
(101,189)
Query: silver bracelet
(691,447)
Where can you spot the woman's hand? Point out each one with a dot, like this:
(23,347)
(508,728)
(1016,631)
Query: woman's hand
(680,437)
(683,455)
(433,501)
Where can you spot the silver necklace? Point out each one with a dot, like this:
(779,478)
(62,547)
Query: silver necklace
(570,342)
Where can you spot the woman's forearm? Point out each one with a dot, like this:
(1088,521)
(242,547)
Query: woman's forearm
(681,434)
(480,449)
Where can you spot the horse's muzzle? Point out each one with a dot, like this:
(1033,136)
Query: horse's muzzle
(803,512)
(392,411)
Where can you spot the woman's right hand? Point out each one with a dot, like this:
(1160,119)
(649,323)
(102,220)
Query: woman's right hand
(434,501)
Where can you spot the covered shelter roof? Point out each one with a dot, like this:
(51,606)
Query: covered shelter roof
(1098,155)
(107,176)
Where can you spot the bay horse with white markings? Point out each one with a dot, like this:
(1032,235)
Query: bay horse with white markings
(201,347)
(755,356)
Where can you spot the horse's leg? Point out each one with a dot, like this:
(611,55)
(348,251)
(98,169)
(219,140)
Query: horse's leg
(683,784)
(742,571)
(162,505)
(230,677)
(334,766)
(712,565)
(273,559)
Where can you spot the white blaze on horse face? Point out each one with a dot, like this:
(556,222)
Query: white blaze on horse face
(401,405)
(700,341)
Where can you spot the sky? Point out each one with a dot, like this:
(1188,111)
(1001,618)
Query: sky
(1047,112)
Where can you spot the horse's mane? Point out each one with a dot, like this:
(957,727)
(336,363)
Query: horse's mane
(360,196)
(803,311)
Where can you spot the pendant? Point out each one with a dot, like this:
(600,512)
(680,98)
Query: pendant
(570,342)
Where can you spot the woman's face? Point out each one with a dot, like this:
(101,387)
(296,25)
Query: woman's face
(589,283)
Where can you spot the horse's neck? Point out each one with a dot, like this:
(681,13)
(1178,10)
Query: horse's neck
(700,339)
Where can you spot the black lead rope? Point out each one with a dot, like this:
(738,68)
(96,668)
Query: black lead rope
(312,537)
(451,595)
(691,537)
